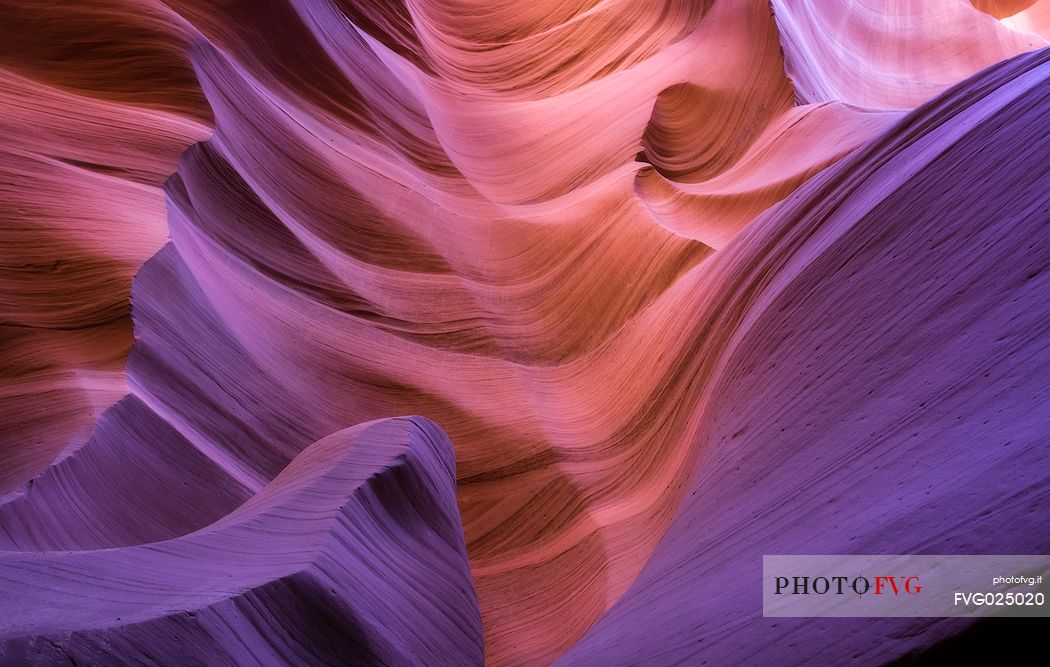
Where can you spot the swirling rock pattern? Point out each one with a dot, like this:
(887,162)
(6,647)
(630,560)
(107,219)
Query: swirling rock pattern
(640,261)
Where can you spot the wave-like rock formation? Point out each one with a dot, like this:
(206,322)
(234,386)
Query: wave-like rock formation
(683,282)
(313,569)
(98,101)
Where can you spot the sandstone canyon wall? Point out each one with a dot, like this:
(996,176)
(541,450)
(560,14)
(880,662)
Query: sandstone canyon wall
(449,331)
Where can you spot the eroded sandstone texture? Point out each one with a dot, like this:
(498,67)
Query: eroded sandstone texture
(669,284)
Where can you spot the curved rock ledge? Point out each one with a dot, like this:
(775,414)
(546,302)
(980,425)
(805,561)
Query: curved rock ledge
(353,554)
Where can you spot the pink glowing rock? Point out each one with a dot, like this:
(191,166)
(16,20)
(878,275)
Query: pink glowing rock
(889,54)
